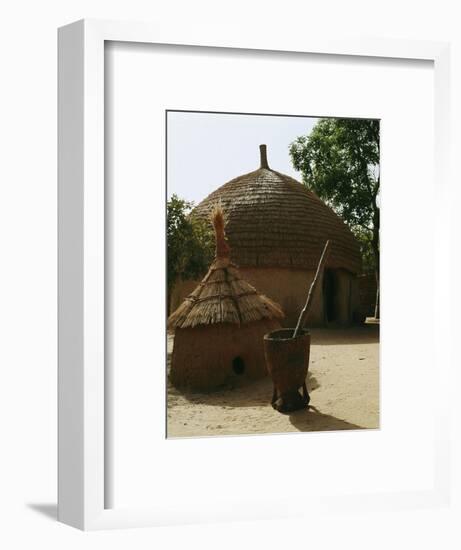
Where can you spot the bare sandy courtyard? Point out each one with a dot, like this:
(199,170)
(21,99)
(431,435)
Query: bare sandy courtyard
(343,383)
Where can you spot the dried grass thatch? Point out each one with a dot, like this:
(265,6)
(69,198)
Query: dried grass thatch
(223,296)
(274,221)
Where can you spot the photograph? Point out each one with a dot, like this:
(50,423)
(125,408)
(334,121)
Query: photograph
(273,261)
(213,329)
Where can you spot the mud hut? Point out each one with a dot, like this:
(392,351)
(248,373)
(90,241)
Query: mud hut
(276,230)
(219,327)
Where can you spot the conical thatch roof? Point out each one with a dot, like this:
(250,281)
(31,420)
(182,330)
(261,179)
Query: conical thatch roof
(223,296)
(275,221)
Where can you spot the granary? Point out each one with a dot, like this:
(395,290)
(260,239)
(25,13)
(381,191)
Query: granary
(276,229)
(219,327)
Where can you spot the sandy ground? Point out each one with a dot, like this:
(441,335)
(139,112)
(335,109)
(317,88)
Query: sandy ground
(343,383)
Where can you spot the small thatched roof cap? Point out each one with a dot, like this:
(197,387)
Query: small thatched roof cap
(275,221)
(223,296)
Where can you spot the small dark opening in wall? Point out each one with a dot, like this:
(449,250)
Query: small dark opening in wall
(238,365)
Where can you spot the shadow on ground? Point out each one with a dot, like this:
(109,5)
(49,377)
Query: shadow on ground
(313,420)
(50,511)
(248,395)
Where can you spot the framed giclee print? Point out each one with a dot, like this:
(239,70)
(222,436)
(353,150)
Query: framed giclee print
(244,278)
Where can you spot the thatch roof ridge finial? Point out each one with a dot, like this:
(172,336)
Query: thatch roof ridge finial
(223,296)
(219,222)
(263,156)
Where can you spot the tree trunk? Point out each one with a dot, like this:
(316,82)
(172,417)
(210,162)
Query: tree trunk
(375,248)
(377,297)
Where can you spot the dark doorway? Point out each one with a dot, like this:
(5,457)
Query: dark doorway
(238,365)
(330,290)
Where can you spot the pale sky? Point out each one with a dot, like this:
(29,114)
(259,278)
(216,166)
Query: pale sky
(205,150)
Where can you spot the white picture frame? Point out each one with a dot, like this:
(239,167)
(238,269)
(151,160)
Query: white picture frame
(82,475)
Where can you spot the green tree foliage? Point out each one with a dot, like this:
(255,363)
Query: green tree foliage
(339,161)
(364,238)
(190,243)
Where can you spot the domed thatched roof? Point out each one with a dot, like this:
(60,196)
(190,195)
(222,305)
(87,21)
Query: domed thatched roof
(223,296)
(275,221)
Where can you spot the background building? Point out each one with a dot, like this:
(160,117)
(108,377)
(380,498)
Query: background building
(276,229)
